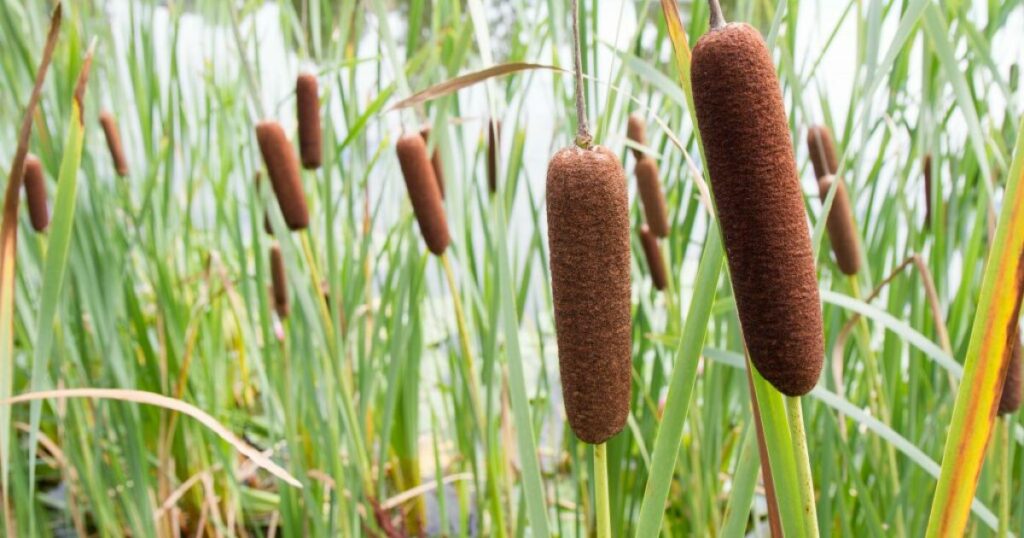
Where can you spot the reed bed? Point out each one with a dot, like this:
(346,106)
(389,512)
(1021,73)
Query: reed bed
(534,345)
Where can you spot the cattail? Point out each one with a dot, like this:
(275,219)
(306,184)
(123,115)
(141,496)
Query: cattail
(649,186)
(113,136)
(749,152)
(1009,401)
(822,151)
(655,262)
(423,191)
(636,130)
(279,286)
(283,168)
(435,161)
(842,230)
(926,165)
(493,147)
(588,232)
(307,104)
(35,193)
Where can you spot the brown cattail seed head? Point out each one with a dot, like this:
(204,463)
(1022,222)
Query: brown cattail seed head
(113,137)
(435,161)
(926,165)
(283,169)
(307,104)
(588,231)
(35,193)
(1010,400)
(493,147)
(279,285)
(822,151)
(636,130)
(753,172)
(655,262)
(649,186)
(423,191)
(842,230)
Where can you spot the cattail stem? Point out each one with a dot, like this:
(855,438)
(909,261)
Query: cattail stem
(604,523)
(314,272)
(469,372)
(717,20)
(583,137)
(1004,425)
(795,414)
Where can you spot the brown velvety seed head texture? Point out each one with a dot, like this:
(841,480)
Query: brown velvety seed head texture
(926,165)
(588,232)
(113,136)
(649,186)
(278,283)
(307,104)
(636,130)
(423,191)
(655,262)
(1010,400)
(493,147)
(842,229)
(760,205)
(35,194)
(435,161)
(822,151)
(283,169)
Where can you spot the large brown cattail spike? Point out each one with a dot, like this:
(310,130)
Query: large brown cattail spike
(113,136)
(588,233)
(35,193)
(649,186)
(283,169)
(423,191)
(742,121)
(655,261)
(842,229)
(278,282)
(307,104)
(1011,397)
(435,161)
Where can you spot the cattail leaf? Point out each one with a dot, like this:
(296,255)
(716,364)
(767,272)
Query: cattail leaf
(994,328)
(8,250)
(464,81)
(56,262)
(166,402)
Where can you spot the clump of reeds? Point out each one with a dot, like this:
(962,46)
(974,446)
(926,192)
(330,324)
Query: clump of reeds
(655,261)
(113,136)
(283,169)
(35,193)
(307,104)
(588,233)
(424,192)
(743,124)
(1010,399)
(493,147)
(636,130)
(278,282)
(649,186)
(435,161)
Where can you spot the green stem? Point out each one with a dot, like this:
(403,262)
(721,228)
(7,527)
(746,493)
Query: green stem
(604,523)
(1004,477)
(795,414)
